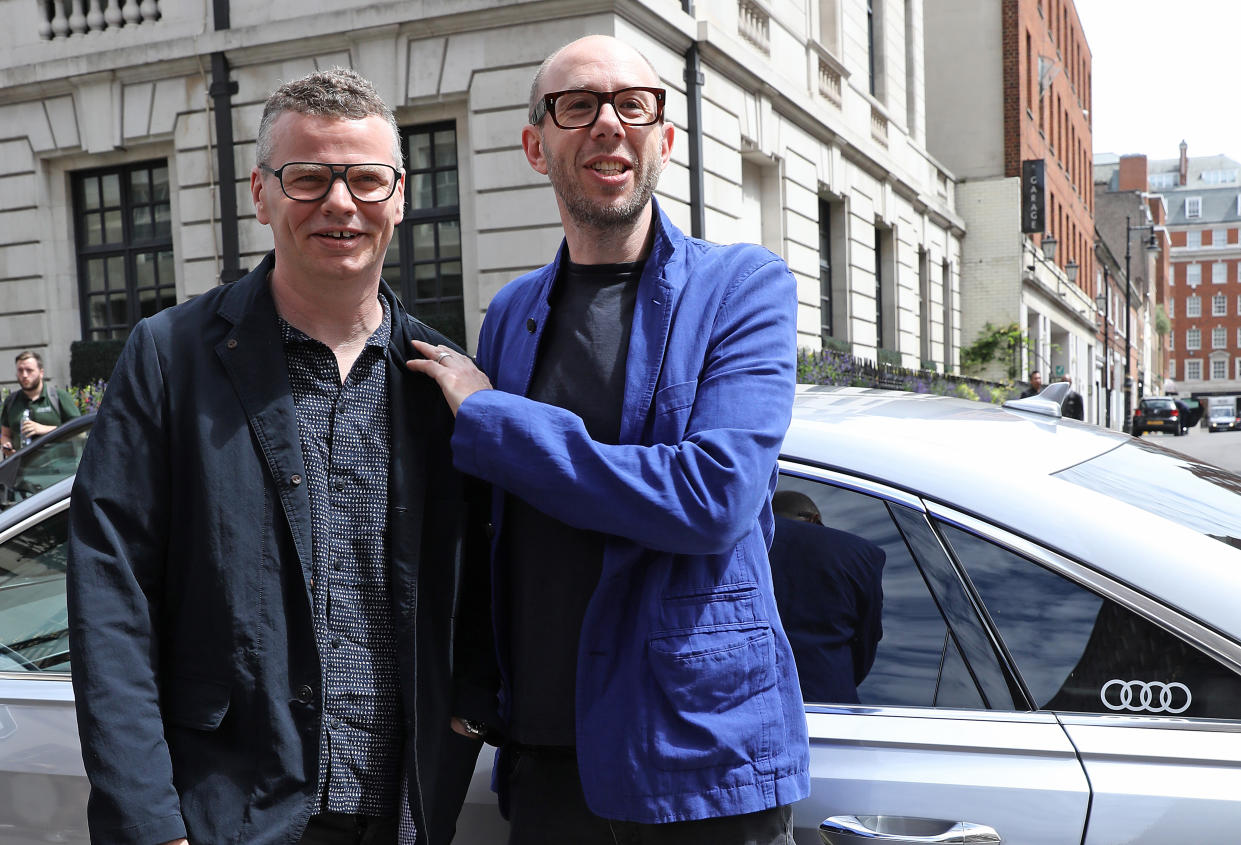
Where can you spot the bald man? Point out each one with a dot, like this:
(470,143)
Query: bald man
(629,410)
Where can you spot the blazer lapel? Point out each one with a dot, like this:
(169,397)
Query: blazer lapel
(648,338)
(253,356)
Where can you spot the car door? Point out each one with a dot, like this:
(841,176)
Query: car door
(940,737)
(1150,699)
(43,786)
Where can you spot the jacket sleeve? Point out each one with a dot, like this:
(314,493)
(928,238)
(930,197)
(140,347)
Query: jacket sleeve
(117,543)
(698,495)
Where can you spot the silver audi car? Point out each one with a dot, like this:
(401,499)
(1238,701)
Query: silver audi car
(1048,651)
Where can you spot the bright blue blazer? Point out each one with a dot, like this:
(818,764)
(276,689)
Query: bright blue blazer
(688,703)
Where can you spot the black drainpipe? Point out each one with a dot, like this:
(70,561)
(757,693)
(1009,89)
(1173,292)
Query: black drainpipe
(222,90)
(693,122)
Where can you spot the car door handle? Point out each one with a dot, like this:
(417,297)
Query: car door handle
(904,830)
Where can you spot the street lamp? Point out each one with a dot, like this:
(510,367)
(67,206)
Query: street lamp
(1070,271)
(1102,300)
(1048,245)
(1152,247)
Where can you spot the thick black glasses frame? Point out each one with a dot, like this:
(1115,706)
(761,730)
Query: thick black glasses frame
(547,105)
(341,174)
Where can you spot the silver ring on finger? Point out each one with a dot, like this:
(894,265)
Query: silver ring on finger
(442,356)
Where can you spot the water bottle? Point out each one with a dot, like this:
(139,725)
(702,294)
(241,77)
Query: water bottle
(25,438)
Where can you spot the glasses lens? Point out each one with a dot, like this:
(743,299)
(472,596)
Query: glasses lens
(576,108)
(636,106)
(305,181)
(371,182)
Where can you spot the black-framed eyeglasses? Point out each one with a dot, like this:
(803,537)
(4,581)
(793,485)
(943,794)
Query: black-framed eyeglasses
(579,109)
(310,181)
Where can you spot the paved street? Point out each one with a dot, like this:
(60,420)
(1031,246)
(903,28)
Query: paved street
(1222,448)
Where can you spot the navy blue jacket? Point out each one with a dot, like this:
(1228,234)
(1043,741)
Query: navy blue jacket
(687,699)
(194,661)
(829,584)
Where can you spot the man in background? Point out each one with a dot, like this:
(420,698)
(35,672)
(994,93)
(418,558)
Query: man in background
(1072,405)
(35,408)
(1036,384)
(829,585)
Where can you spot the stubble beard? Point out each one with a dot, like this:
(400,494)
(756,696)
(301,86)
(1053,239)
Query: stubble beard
(590,214)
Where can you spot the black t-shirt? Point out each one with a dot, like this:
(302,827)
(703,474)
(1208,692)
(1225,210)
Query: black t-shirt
(554,567)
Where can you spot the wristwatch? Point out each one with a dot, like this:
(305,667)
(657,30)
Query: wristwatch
(474,728)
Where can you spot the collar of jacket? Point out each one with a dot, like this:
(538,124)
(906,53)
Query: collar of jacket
(659,289)
(252,354)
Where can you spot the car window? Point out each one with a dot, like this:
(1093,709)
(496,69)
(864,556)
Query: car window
(1079,651)
(34,633)
(824,585)
(42,465)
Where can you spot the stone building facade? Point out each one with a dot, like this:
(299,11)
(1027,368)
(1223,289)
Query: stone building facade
(116,197)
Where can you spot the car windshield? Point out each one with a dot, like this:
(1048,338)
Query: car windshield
(41,465)
(1201,497)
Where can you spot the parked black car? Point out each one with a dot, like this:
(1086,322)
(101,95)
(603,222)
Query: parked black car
(1159,413)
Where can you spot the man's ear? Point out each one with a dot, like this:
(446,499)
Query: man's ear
(665,151)
(257,192)
(532,145)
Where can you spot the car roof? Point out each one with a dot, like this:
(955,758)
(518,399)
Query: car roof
(999,464)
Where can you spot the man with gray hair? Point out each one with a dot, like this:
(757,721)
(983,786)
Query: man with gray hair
(265,509)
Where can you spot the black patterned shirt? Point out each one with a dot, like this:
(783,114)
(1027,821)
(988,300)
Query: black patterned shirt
(346,441)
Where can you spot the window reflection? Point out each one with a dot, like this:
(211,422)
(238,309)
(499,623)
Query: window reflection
(1078,651)
(33,615)
(911,653)
(1201,497)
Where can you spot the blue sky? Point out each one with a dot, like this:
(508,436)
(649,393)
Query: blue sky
(1163,71)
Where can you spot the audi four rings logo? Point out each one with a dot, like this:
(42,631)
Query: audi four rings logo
(1140,696)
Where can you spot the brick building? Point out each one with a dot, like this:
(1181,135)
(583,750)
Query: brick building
(1008,82)
(1203,196)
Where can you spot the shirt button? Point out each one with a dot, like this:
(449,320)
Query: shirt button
(305,694)
(338,485)
(337,565)
(531,325)
(232,343)
(295,479)
(335,642)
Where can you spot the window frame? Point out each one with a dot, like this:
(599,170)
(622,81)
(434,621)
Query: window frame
(128,248)
(403,237)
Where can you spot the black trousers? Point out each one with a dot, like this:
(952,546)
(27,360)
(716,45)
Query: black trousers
(547,807)
(349,829)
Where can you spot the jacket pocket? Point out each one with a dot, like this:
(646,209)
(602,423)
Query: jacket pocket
(195,703)
(672,409)
(712,703)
